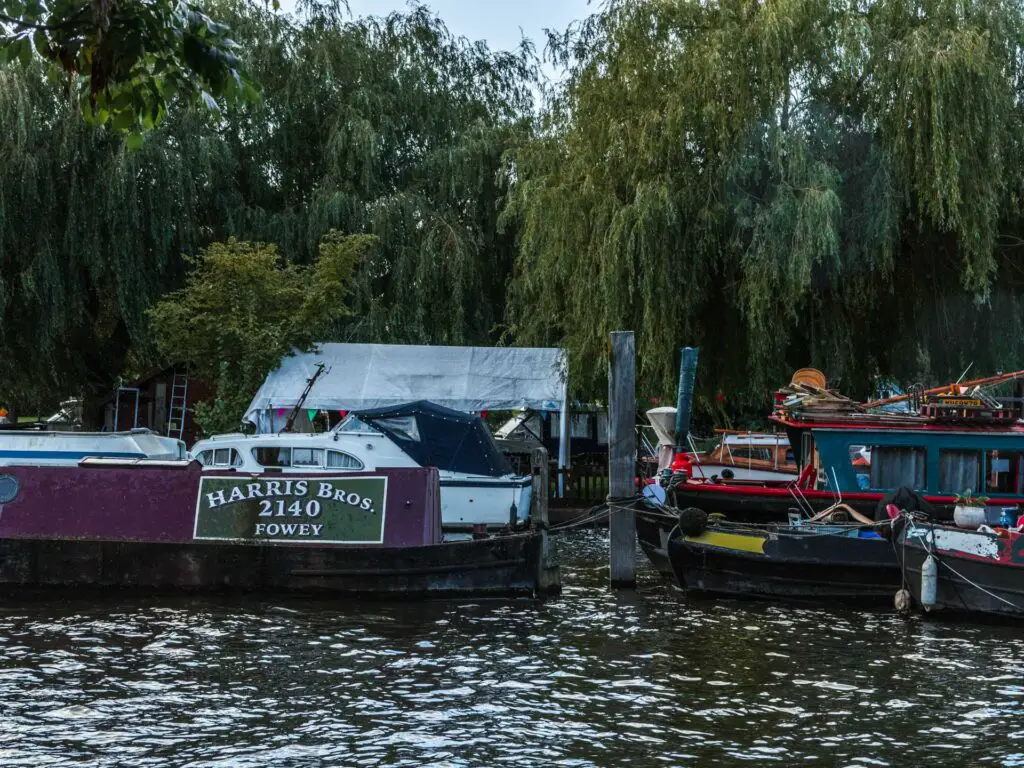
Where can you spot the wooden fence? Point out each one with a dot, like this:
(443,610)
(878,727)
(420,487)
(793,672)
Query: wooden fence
(586,481)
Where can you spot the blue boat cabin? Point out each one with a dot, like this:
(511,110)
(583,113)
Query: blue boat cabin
(936,462)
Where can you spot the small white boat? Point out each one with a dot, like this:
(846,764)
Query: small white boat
(750,456)
(478,486)
(20,447)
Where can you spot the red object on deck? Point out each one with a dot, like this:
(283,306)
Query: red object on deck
(681,461)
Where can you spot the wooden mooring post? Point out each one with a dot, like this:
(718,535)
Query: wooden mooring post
(622,458)
(548,576)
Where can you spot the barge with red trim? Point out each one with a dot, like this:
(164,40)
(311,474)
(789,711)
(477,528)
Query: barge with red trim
(950,440)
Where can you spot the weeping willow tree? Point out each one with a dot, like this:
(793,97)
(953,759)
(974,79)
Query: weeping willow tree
(90,234)
(394,128)
(386,127)
(784,183)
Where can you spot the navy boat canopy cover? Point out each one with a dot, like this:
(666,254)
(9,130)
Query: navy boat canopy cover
(435,436)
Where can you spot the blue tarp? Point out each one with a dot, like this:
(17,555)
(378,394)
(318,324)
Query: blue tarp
(435,436)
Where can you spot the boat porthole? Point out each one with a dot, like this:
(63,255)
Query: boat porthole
(9,488)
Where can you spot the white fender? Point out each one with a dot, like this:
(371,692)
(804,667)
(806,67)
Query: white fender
(929,582)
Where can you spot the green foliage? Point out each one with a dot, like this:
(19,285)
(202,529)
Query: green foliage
(388,127)
(835,183)
(968,499)
(242,310)
(126,60)
(395,128)
(784,183)
(89,236)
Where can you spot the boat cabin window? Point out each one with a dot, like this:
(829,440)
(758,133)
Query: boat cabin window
(884,467)
(339,460)
(403,426)
(273,456)
(1004,472)
(959,471)
(283,456)
(220,457)
(353,424)
(751,452)
(580,426)
(307,457)
(860,458)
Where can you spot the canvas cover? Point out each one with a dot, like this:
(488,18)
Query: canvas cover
(435,436)
(368,376)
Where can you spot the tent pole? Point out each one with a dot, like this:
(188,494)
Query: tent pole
(563,438)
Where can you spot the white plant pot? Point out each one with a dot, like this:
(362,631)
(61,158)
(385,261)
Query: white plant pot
(970,518)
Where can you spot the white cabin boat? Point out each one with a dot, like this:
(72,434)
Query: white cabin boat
(748,456)
(751,456)
(43,448)
(478,486)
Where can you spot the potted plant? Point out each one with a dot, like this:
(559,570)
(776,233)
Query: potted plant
(969,511)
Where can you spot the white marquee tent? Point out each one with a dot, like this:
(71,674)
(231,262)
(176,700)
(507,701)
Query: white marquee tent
(471,379)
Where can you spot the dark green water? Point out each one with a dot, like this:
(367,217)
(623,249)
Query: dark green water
(591,679)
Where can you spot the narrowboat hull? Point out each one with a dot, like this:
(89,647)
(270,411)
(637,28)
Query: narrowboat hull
(653,530)
(497,566)
(978,572)
(178,527)
(786,563)
(755,504)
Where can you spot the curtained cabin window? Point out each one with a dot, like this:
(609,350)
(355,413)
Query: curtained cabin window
(339,460)
(894,466)
(959,471)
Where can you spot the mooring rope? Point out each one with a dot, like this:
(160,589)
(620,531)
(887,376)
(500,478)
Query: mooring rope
(598,512)
(582,522)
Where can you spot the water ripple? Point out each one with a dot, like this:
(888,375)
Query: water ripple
(641,678)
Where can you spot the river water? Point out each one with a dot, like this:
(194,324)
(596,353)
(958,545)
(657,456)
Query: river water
(641,678)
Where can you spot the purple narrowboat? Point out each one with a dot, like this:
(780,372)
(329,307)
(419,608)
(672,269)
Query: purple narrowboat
(170,525)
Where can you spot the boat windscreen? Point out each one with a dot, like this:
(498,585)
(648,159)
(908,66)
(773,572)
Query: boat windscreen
(435,436)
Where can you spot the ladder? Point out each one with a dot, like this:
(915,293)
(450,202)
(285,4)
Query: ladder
(178,406)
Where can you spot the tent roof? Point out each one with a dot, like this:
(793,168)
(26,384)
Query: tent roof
(363,376)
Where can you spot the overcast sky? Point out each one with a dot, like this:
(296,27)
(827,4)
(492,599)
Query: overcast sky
(496,21)
(502,23)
